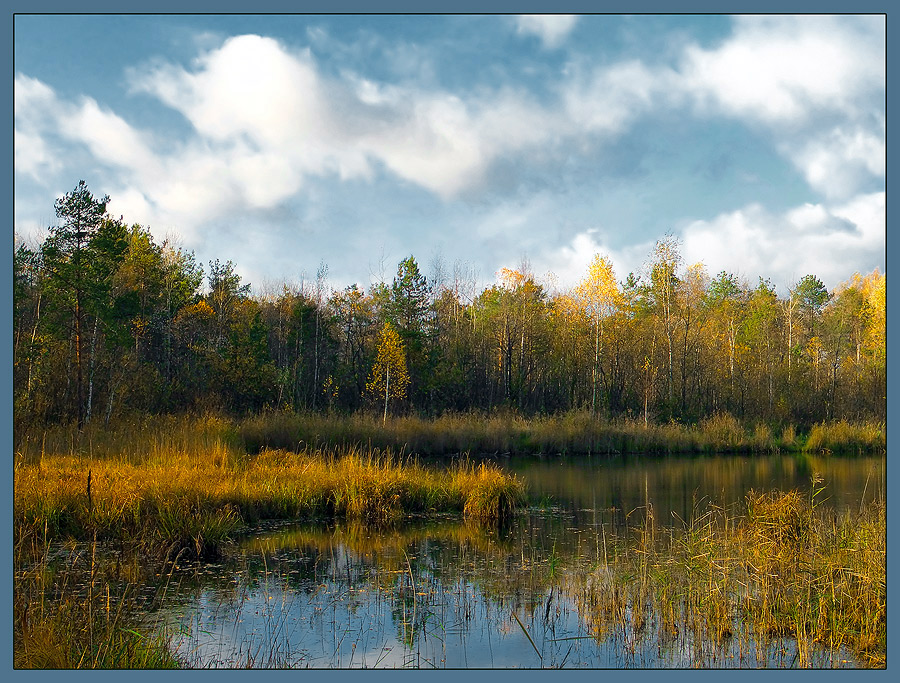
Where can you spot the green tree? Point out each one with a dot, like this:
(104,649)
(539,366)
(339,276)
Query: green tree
(64,255)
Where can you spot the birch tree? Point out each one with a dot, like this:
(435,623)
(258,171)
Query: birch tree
(389,377)
(599,296)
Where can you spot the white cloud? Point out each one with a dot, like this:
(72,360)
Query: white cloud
(32,154)
(266,119)
(839,161)
(817,239)
(552,29)
(797,75)
(33,102)
(784,69)
(109,138)
(283,120)
(610,98)
(569,263)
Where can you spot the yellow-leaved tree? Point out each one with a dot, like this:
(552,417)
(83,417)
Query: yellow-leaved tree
(599,296)
(389,377)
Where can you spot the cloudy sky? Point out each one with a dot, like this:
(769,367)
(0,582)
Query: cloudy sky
(281,142)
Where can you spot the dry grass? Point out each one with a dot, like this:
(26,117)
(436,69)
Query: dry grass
(841,436)
(173,504)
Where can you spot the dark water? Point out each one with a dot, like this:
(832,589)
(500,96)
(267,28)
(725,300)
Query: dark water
(440,593)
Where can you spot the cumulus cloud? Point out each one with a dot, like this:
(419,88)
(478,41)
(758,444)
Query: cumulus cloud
(838,161)
(33,103)
(282,120)
(569,262)
(109,138)
(812,238)
(552,29)
(794,75)
(267,119)
(788,68)
(608,99)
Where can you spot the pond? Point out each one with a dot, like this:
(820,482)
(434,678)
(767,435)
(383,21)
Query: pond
(440,593)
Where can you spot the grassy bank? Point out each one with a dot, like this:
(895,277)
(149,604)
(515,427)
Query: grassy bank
(569,433)
(225,440)
(180,494)
(184,502)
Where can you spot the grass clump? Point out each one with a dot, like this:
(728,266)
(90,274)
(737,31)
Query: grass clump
(843,437)
(493,497)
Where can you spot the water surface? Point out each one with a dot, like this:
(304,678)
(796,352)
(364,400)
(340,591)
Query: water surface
(441,593)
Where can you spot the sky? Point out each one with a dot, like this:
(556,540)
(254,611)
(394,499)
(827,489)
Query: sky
(473,143)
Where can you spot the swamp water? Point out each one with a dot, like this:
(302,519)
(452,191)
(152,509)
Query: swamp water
(441,593)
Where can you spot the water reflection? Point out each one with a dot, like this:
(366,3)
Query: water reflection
(441,593)
(676,484)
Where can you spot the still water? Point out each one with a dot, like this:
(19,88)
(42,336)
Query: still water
(441,593)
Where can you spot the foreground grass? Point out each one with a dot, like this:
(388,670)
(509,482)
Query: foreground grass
(170,486)
(67,627)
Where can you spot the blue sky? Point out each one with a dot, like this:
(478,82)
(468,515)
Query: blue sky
(280,142)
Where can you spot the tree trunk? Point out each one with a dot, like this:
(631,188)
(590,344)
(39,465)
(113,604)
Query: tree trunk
(387,384)
(90,398)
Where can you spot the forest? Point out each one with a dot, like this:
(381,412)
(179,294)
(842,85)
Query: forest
(109,322)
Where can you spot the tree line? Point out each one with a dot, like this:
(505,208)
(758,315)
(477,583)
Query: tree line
(109,322)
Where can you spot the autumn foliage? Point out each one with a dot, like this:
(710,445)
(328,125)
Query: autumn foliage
(108,323)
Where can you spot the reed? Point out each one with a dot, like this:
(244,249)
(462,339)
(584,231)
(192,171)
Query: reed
(79,612)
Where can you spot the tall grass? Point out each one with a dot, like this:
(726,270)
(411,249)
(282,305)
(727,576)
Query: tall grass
(783,568)
(222,441)
(843,437)
(174,494)
(171,504)
(79,611)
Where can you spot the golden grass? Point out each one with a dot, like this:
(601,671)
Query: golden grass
(172,504)
(841,436)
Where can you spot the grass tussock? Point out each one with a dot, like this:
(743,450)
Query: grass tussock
(843,437)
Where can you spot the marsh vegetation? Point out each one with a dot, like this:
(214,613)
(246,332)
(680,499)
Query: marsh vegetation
(192,548)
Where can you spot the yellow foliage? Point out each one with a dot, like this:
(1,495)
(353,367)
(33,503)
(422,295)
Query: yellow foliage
(200,310)
(389,373)
(511,279)
(599,291)
(875,290)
